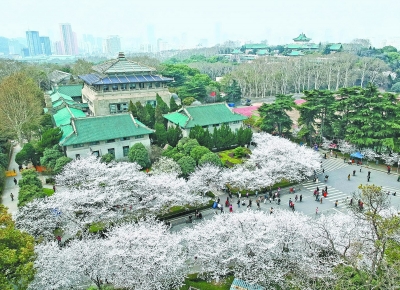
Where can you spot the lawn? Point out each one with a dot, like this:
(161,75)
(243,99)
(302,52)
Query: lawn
(198,283)
(228,158)
(48,191)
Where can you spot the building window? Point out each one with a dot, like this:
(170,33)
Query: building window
(111,151)
(115,87)
(132,86)
(150,85)
(125,150)
(125,138)
(205,127)
(215,125)
(78,145)
(96,153)
(141,85)
(77,156)
(105,88)
(118,108)
(235,122)
(95,143)
(153,103)
(110,141)
(123,87)
(139,136)
(157,85)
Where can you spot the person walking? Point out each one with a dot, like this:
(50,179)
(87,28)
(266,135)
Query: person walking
(320,200)
(247,195)
(12,196)
(368,177)
(256,193)
(301,197)
(15,181)
(279,201)
(316,210)
(230,208)
(348,177)
(295,198)
(331,153)
(323,170)
(354,173)
(290,202)
(54,188)
(293,207)
(258,204)
(59,240)
(238,203)
(336,203)
(270,200)
(271,210)
(369,174)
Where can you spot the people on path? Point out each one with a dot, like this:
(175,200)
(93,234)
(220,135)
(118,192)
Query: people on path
(238,203)
(12,196)
(247,195)
(336,203)
(331,153)
(230,208)
(279,201)
(354,173)
(348,177)
(388,169)
(320,200)
(301,197)
(295,198)
(368,177)
(15,181)
(59,240)
(316,210)
(271,210)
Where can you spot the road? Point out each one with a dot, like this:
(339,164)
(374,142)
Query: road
(339,188)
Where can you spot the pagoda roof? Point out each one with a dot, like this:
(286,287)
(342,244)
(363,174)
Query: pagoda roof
(122,66)
(302,37)
(237,51)
(95,79)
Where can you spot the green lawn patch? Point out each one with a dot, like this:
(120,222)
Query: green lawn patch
(96,227)
(198,283)
(48,191)
(228,158)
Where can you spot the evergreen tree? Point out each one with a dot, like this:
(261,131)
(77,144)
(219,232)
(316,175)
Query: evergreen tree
(159,118)
(141,112)
(173,106)
(150,115)
(138,153)
(161,134)
(244,136)
(132,108)
(174,134)
(203,136)
(162,105)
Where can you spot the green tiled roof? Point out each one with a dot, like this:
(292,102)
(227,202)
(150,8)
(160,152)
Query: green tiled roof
(295,53)
(92,129)
(256,46)
(66,130)
(302,46)
(294,46)
(70,90)
(302,37)
(63,116)
(204,115)
(60,102)
(56,96)
(236,51)
(336,46)
(244,285)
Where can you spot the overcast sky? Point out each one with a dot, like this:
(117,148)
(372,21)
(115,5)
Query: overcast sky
(277,21)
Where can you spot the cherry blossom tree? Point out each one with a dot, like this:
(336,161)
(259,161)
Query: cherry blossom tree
(91,192)
(166,165)
(390,158)
(144,255)
(205,178)
(369,154)
(346,147)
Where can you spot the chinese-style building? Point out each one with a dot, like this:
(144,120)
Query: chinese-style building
(114,83)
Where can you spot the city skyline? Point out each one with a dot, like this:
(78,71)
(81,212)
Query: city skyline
(177,21)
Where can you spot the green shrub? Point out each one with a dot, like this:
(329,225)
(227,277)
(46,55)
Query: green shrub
(107,158)
(239,152)
(210,158)
(50,180)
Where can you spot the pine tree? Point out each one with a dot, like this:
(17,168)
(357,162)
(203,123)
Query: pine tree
(132,108)
(161,134)
(173,105)
(162,105)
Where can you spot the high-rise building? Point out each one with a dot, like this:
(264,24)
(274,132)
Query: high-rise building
(113,44)
(15,46)
(33,41)
(58,49)
(45,45)
(4,46)
(161,45)
(68,40)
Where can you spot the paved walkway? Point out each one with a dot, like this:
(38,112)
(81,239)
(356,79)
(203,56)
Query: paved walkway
(9,186)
